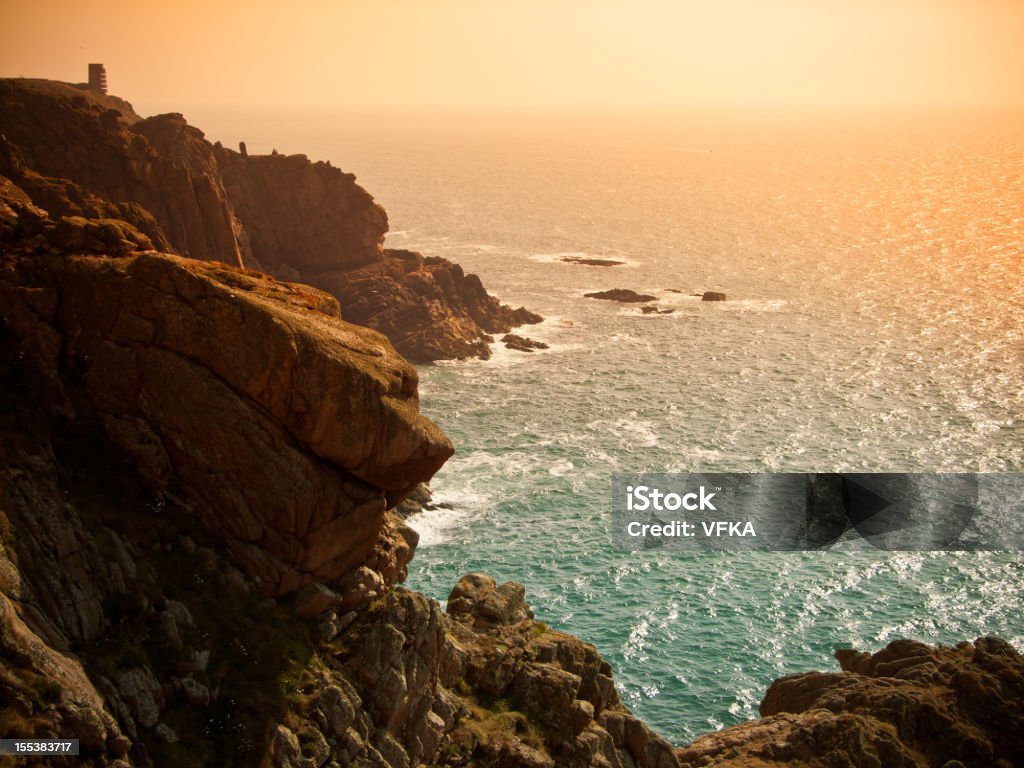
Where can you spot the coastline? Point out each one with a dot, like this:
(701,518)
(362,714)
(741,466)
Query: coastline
(484,681)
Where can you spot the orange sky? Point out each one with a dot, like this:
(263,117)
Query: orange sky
(527,53)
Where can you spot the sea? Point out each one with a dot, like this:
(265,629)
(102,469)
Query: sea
(873,264)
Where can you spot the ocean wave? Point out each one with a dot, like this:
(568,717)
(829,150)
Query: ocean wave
(439,525)
(749,305)
(436,526)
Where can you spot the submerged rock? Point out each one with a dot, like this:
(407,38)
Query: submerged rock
(420,500)
(621,294)
(589,262)
(521,343)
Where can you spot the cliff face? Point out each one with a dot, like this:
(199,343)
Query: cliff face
(198,562)
(319,416)
(284,430)
(302,218)
(77,153)
(160,171)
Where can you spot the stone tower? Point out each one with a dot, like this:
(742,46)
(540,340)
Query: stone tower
(97,78)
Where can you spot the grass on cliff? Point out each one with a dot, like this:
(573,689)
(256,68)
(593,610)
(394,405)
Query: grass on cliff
(25,698)
(488,726)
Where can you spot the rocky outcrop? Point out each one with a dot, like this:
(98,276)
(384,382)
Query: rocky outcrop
(521,343)
(624,295)
(82,154)
(311,222)
(33,230)
(712,296)
(907,705)
(197,560)
(302,218)
(125,624)
(428,307)
(180,441)
(483,685)
(420,500)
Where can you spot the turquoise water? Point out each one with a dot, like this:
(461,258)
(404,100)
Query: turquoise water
(874,268)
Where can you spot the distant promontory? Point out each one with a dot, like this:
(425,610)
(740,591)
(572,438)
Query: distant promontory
(79,152)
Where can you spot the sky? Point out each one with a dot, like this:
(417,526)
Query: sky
(535,54)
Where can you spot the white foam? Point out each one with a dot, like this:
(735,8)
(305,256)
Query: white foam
(489,465)
(637,433)
(471,247)
(695,456)
(750,305)
(548,331)
(635,311)
(437,526)
(562,468)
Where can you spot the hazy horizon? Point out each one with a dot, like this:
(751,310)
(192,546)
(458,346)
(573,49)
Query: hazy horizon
(568,55)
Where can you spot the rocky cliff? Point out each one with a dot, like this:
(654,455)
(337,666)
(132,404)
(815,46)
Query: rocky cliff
(200,557)
(198,560)
(906,706)
(78,153)
(68,148)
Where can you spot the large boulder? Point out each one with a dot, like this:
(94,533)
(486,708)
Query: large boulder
(290,430)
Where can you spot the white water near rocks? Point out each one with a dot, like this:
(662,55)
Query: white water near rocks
(875,321)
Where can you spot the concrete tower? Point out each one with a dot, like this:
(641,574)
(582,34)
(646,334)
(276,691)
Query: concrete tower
(98,78)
